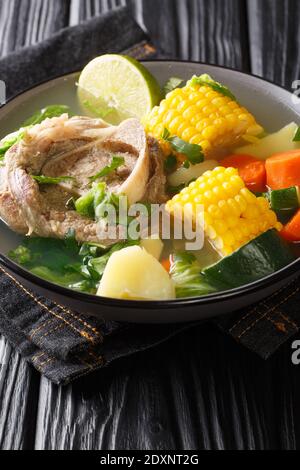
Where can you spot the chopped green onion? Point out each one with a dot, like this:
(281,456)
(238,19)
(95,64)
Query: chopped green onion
(100,194)
(206,80)
(116,163)
(85,205)
(91,204)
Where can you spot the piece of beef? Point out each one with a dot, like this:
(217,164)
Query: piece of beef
(156,186)
(79,147)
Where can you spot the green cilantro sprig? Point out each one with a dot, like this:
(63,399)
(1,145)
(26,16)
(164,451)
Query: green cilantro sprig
(172,84)
(53,180)
(206,80)
(116,163)
(193,152)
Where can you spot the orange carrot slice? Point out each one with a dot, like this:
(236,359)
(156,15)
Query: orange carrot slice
(283,170)
(291,232)
(251,170)
(166,263)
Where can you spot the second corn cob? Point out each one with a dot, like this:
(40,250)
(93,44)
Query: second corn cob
(233,216)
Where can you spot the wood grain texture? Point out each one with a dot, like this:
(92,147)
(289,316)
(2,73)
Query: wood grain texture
(19,395)
(185,29)
(275,37)
(26,22)
(23,23)
(200,390)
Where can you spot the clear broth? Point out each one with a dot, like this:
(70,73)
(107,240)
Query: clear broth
(64,91)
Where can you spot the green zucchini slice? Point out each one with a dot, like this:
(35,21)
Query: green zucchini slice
(284,199)
(261,257)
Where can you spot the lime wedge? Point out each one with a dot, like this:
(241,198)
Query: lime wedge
(115,88)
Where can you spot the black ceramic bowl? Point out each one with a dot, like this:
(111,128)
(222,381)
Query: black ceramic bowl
(273,107)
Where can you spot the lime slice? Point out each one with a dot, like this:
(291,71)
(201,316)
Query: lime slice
(115,88)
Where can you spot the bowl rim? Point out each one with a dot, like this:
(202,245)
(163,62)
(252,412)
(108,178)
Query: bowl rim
(288,271)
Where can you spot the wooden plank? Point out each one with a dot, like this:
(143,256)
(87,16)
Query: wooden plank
(274,39)
(19,395)
(199,391)
(185,29)
(194,30)
(81,10)
(124,407)
(25,22)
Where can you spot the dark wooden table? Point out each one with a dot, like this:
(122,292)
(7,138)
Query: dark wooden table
(200,390)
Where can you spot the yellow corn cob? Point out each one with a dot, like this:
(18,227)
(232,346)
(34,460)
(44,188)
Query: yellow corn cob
(233,216)
(200,115)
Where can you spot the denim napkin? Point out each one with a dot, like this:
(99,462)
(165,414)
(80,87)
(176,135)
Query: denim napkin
(62,344)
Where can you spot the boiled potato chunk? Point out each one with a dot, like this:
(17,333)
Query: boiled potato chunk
(135,275)
(185,175)
(281,141)
(154,246)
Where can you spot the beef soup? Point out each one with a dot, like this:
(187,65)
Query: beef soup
(196,148)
